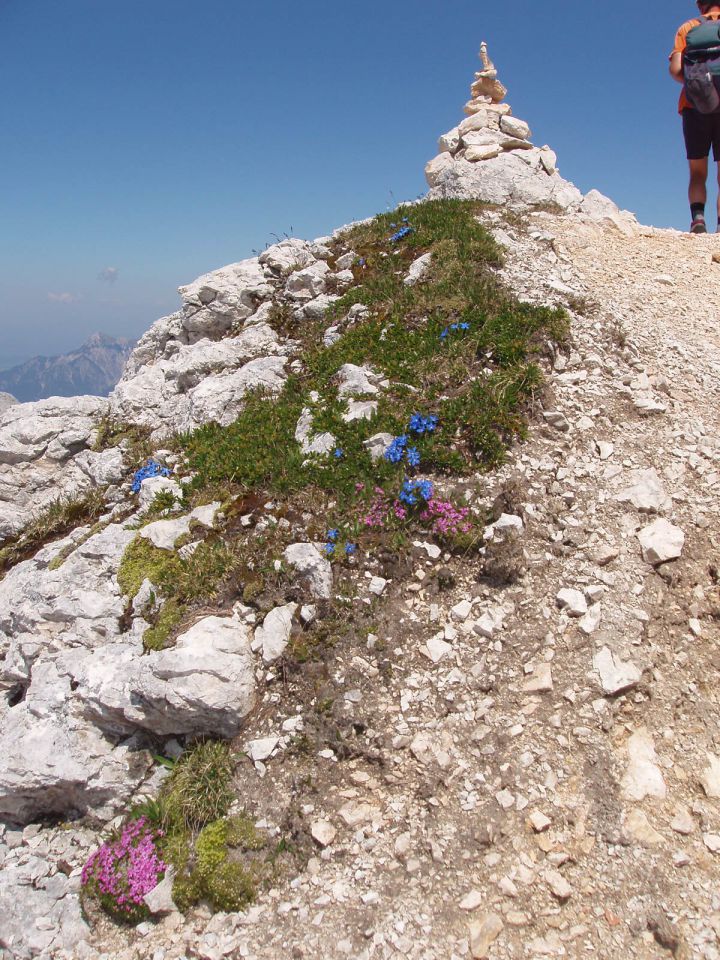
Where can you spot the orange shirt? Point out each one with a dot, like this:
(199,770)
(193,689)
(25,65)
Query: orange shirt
(681,43)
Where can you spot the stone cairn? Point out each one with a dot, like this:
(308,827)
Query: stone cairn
(490,129)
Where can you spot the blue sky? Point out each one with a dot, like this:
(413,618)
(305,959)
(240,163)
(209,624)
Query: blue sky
(145,142)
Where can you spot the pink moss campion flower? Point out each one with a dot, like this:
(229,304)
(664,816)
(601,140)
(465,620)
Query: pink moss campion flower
(122,872)
(446,518)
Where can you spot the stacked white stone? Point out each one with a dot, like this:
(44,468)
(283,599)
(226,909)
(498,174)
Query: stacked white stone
(489,129)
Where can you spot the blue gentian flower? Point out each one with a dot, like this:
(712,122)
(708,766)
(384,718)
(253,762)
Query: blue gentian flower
(413,457)
(407,494)
(400,234)
(420,424)
(412,488)
(425,488)
(329,549)
(350,549)
(339,453)
(396,450)
(151,469)
(333,534)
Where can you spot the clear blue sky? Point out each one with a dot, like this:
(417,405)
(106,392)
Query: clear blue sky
(145,142)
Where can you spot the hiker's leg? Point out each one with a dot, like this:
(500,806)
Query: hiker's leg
(698,132)
(697,193)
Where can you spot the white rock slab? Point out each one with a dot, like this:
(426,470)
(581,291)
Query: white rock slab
(573,602)
(312,567)
(710,777)
(646,493)
(274,634)
(661,542)
(643,777)
(615,675)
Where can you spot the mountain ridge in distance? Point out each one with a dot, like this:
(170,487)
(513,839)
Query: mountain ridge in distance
(93,368)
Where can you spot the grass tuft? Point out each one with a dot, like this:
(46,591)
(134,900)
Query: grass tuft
(57,520)
(184,579)
(199,789)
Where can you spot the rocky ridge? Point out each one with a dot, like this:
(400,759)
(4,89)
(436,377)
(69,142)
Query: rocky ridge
(537,757)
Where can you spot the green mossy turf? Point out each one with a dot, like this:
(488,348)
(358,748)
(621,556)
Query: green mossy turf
(478,383)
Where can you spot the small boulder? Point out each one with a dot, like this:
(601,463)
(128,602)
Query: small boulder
(312,567)
(573,602)
(274,634)
(661,542)
(615,676)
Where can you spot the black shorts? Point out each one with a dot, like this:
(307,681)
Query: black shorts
(702,130)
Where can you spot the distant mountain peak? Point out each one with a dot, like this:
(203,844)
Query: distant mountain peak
(93,368)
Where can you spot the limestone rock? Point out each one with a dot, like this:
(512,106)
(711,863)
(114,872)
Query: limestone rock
(164,534)
(160,901)
(152,486)
(438,169)
(471,901)
(355,381)
(646,493)
(505,179)
(479,121)
(274,634)
(515,128)
(488,87)
(683,822)
(450,141)
(312,567)
(639,829)
(204,684)
(308,283)
(310,443)
(6,400)
(643,777)
(418,270)
(261,750)
(548,160)
(40,447)
(484,105)
(199,383)
(56,764)
(481,138)
(288,255)
(355,814)
(559,887)
(573,602)
(378,444)
(615,676)
(478,152)
(710,777)
(437,649)
(218,301)
(483,933)
(541,680)
(489,622)
(323,833)
(661,542)
(360,410)
(601,210)
(40,918)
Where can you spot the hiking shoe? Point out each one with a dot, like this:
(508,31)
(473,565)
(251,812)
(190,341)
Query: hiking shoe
(698,225)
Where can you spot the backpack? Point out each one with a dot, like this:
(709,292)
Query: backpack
(701,66)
